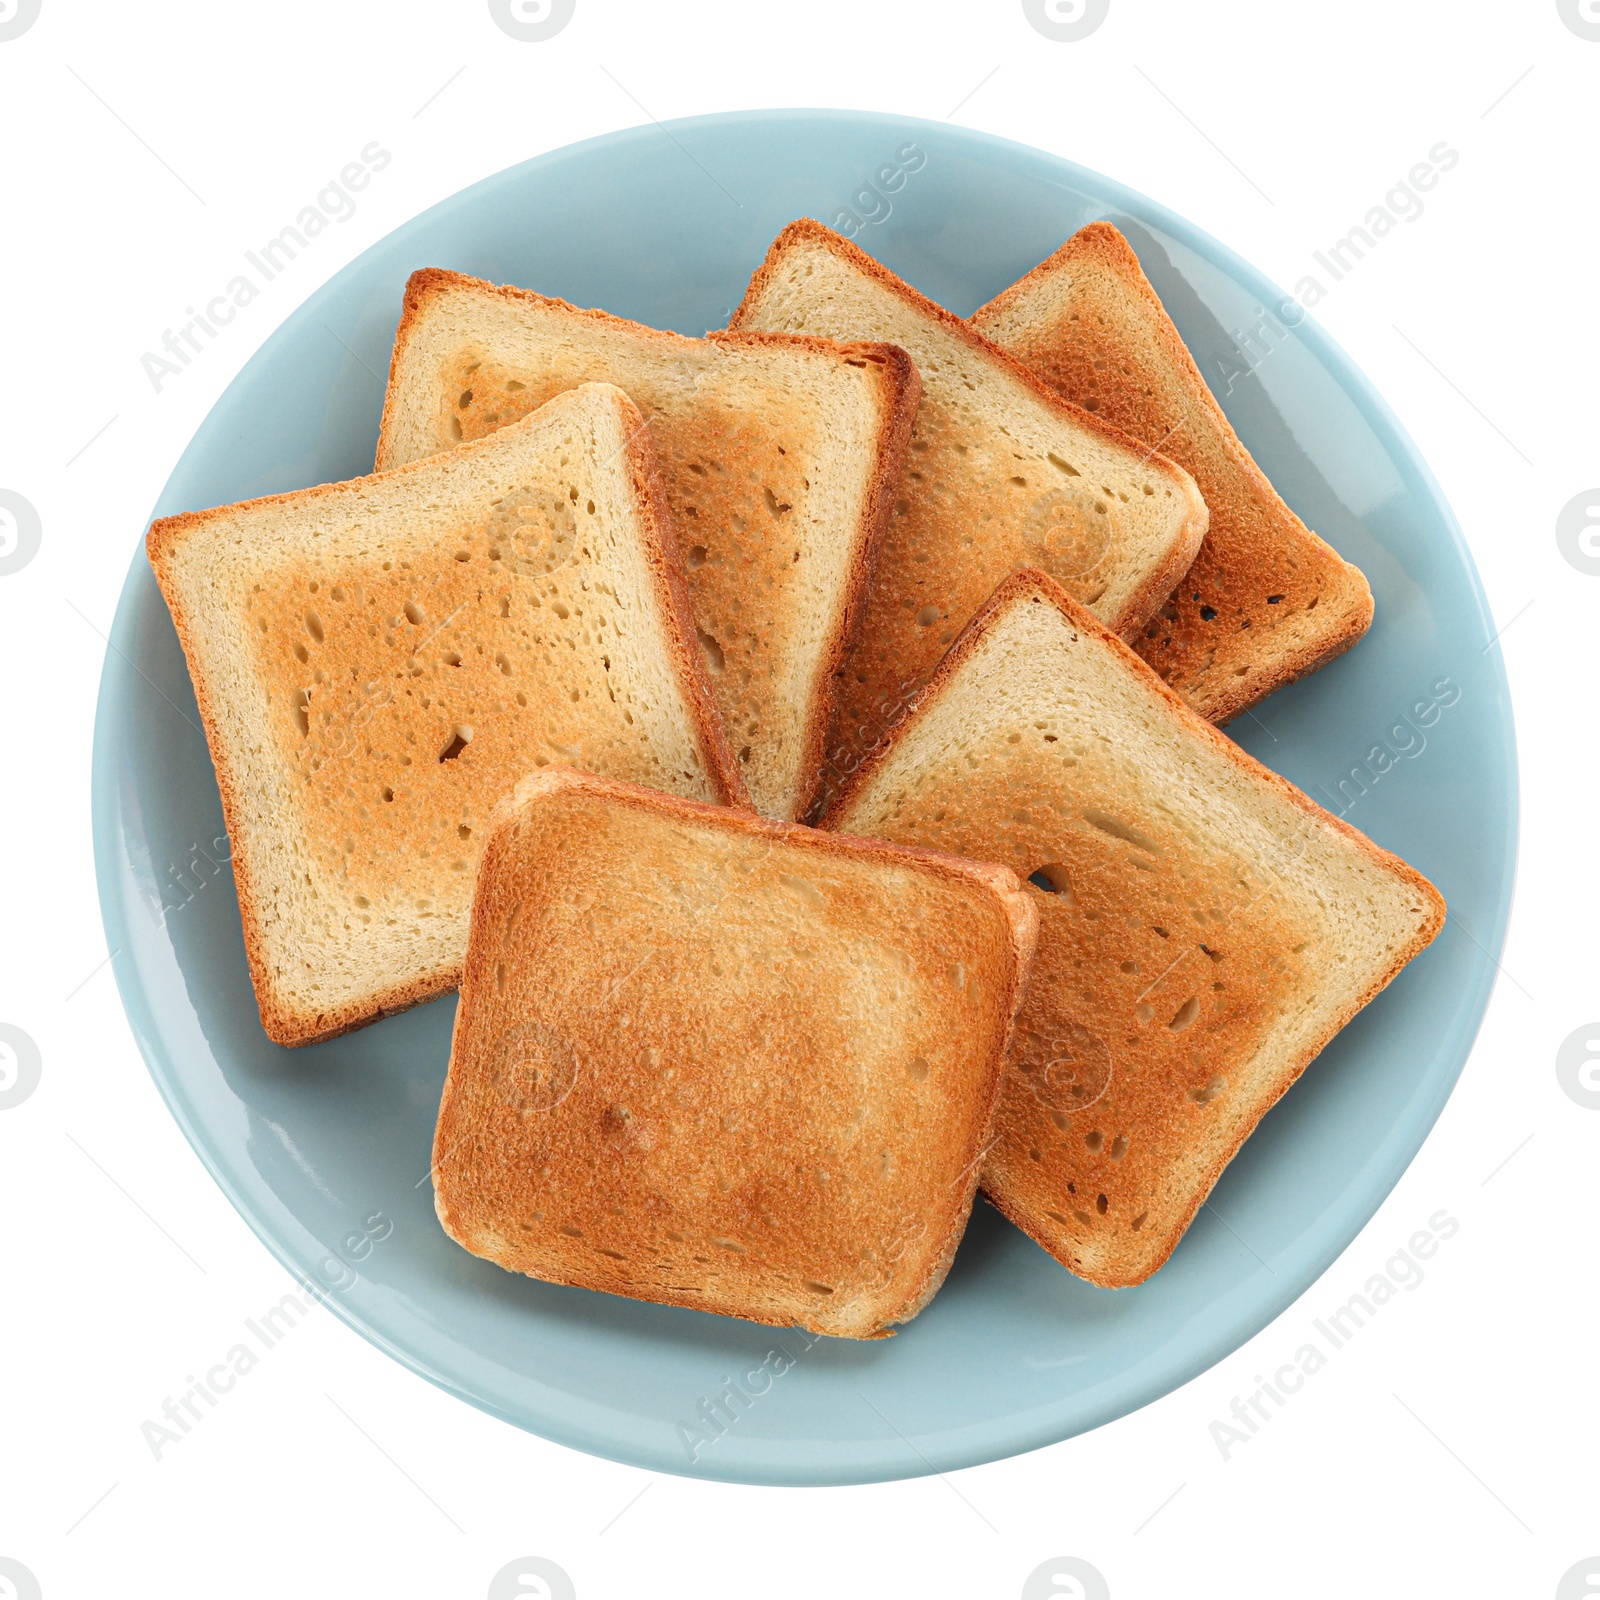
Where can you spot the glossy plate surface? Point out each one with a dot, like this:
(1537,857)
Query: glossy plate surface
(666,226)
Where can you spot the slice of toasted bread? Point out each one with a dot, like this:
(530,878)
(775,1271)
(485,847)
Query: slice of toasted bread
(1266,601)
(718,1061)
(1205,929)
(1001,473)
(779,457)
(378,662)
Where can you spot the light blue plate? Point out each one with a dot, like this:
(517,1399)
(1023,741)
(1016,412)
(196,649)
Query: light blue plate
(666,225)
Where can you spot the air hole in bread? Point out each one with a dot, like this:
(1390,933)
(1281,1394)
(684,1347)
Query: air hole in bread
(818,1288)
(1138,1221)
(415,615)
(917,1068)
(1101,1204)
(460,738)
(696,557)
(1185,1014)
(927,616)
(314,625)
(1119,1147)
(1052,878)
(1094,1142)
(302,713)
(1204,1097)
(1119,830)
(715,660)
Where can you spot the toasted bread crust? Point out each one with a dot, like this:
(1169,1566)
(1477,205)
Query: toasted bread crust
(284,1023)
(1030,586)
(1254,538)
(485,951)
(1159,582)
(899,391)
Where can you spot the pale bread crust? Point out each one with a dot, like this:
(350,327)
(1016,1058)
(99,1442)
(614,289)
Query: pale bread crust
(480,1200)
(1255,543)
(284,1022)
(1135,1263)
(899,388)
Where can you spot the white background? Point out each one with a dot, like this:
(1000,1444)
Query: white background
(1446,1450)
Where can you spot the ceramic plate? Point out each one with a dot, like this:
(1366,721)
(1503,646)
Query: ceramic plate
(665,224)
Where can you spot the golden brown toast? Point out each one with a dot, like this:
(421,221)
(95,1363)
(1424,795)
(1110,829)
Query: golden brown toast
(1002,473)
(779,457)
(1266,600)
(1205,929)
(718,1061)
(377,662)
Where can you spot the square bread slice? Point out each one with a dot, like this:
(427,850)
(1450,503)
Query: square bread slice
(1002,473)
(1205,929)
(1266,601)
(718,1061)
(780,457)
(378,662)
